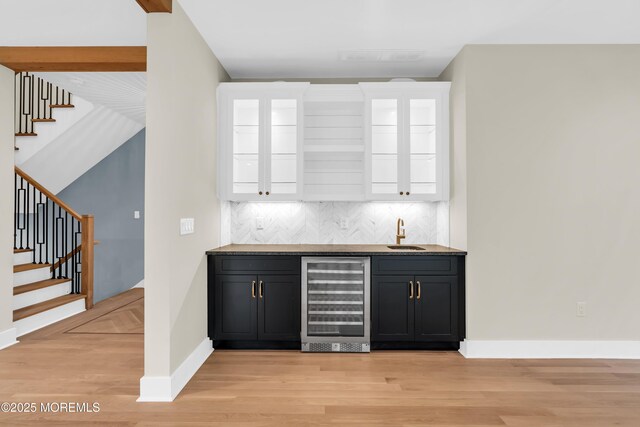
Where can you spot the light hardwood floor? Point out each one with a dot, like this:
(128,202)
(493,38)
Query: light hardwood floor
(97,357)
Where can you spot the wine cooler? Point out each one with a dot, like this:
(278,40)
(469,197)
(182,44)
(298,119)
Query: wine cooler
(335,304)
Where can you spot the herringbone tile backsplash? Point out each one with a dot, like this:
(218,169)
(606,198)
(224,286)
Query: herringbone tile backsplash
(320,222)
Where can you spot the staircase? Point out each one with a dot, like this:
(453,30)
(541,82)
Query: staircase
(52,257)
(35,101)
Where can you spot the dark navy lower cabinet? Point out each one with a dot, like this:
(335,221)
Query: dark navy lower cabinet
(279,308)
(417,301)
(251,309)
(413,307)
(392,309)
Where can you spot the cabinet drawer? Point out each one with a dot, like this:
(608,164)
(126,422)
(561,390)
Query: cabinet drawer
(243,264)
(423,264)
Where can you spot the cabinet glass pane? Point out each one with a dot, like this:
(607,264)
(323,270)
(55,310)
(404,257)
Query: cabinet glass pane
(384,146)
(422,146)
(246,125)
(284,131)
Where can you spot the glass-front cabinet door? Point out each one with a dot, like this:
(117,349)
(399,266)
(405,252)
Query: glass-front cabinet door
(283,162)
(260,136)
(407,140)
(385,146)
(246,147)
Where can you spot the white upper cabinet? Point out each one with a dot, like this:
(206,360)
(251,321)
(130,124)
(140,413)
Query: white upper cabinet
(407,134)
(367,141)
(260,141)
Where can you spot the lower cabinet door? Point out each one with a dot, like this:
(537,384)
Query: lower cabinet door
(436,305)
(236,299)
(392,308)
(279,308)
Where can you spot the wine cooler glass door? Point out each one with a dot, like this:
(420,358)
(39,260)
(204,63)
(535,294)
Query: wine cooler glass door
(336,304)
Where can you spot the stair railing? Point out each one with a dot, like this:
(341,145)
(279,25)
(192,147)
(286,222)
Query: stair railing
(56,234)
(35,99)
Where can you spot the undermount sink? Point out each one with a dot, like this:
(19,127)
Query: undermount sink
(406,247)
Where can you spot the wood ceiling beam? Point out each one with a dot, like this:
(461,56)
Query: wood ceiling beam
(84,58)
(154,6)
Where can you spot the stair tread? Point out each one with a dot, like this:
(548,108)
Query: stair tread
(38,285)
(27,267)
(43,120)
(61,106)
(27,134)
(19,251)
(30,310)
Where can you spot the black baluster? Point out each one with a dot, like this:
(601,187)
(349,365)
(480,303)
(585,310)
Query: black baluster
(15,211)
(20,104)
(29,121)
(46,230)
(66,246)
(41,228)
(73,257)
(26,212)
(34,230)
(21,227)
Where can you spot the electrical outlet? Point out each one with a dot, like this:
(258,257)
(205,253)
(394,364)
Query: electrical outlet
(259,223)
(581,309)
(136,214)
(344,223)
(187,226)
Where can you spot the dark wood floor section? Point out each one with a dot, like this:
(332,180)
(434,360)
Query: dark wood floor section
(95,357)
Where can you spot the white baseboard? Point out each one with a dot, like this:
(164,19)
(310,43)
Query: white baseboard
(140,284)
(167,388)
(550,349)
(8,338)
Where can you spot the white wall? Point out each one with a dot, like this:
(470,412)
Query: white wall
(7,333)
(182,76)
(552,152)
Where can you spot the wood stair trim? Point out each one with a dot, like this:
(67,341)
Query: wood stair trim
(43,120)
(38,285)
(20,251)
(27,134)
(40,307)
(48,193)
(28,267)
(62,106)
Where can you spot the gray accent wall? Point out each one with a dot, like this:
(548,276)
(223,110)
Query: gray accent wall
(112,190)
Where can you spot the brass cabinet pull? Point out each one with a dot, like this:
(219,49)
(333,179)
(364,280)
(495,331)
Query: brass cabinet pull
(261,289)
(410,289)
(253,289)
(408,193)
(418,283)
(402,193)
(267,193)
(260,193)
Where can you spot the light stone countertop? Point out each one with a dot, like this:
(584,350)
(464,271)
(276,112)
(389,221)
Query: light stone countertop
(337,250)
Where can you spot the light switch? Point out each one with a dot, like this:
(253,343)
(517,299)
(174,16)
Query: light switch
(187,226)
(136,214)
(259,223)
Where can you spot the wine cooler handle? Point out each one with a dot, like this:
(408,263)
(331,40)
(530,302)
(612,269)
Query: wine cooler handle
(411,289)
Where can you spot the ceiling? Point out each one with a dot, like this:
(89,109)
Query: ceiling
(124,93)
(308,38)
(330,38)
(72,23)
